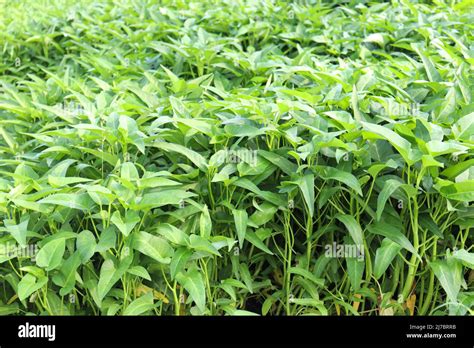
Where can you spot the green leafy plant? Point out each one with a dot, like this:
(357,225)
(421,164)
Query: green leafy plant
(223,158)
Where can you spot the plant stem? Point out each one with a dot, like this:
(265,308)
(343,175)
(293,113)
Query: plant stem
(412,267)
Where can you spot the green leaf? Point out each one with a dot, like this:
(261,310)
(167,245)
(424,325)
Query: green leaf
(193,283)
(60,169)
(306,275)
(159,199)
(18,231)
(429,161)
(179,260)
(384,256)
(103,156)
(127,126)
(389,187)
(155,247)
(253,238)
(243,130)
(100,195)
(281,162)
(57,181)
(246,277)
(51,254)
(36,271)
(449,274)
(152,182)
(240,219)
(465,257)
(465,127)
(42,208)
(306,185)
(201,244)
(80,201)
(355,270)
(85,245)
(453,171)
(268,196)
(353,227)
(203,126)
(140,272)
(354,104)
(56,305)
(193,156)
(9,309)
(427,223)
(107,240)
(448,107)
(68,272)
(402,145)
(109,274)
(107,279)
(129,172)
(173,234)
(264,214)
(350,180)
(431,72)
(343,118)
(460,191)
(126,224)
(311,302)
(140,305)
(205,223)
(241,312)
(393,233)
(29,284)
(438,148)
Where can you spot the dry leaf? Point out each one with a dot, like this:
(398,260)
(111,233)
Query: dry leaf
(410,304)
(386,311)
(356,304)
(143,289)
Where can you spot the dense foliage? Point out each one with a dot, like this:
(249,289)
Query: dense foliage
(215,157)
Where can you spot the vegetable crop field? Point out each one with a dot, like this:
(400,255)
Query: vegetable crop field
(237,157)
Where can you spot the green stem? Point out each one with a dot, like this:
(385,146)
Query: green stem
(412,267)
(395,276)
(288,250)
(176,300)
(429,295)
(309,233)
